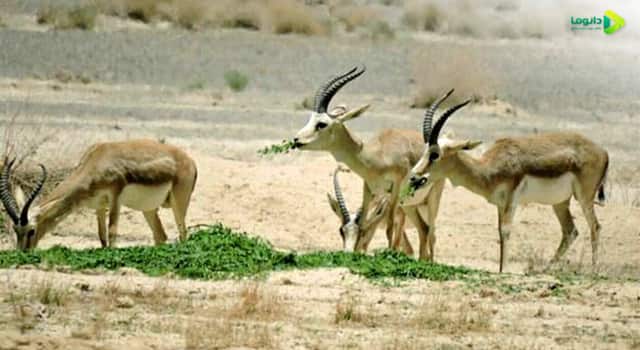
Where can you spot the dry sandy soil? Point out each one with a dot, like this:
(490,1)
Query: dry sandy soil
(167,84)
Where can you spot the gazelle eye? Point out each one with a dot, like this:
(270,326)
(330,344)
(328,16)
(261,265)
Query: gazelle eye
(321,125)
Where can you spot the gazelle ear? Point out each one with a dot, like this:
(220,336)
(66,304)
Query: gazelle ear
(335,207)
(378,214)
(354,113)
(469,145)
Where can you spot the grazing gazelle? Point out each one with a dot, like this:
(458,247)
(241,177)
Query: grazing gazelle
(382,162)
(547,168)
(140,174)
(352,224)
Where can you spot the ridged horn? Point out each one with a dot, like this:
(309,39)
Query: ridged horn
(326,92)
(340,197)
(5,195)
(435,133)
(428,116)
(24,216)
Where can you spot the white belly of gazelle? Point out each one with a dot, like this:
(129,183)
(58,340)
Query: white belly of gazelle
(534,189)
(134,196)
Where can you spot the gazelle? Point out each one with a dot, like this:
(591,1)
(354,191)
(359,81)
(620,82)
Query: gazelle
(352,223)
(382,162)
(547,168)
(140,174)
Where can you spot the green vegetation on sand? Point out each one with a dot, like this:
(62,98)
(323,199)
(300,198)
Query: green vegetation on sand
(216,252)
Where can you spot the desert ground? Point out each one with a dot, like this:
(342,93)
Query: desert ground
(63,90)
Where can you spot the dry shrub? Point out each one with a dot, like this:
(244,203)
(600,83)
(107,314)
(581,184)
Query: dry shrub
(278,16)
(420,15)
(354,16)
(65,17)
(290,16)
(223,334)
(444,317)
(257,304)
(457,67)
(348,309)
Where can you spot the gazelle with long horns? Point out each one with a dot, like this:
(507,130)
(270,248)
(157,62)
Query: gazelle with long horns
(548,168)
(353,223)
(140,174)
(382,162)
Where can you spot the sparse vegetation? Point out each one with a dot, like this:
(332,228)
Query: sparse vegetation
(464,71)
(284,147)
(216,252)
(443,317)
(65,17)
(348,309)
(236,80)
(277,16)
(49,293)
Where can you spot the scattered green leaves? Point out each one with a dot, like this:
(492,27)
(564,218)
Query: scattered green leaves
(216,252)
(407,191)
(284,147)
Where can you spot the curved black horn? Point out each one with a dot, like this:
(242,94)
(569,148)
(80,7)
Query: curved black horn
(339,197)
(435,133)
(7,199)
(24,216)
(331,87)
(428,115)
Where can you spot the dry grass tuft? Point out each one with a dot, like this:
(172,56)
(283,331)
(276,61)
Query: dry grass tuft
(223,334)
(257,304)
(65,17)
(49,293)
(349,309)
(437,315)
(464,71)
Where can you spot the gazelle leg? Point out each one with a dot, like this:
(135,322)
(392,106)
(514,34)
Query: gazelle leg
(101,215)
(180,197)
(159,236)
(424,234)
(569,231)
(505,218)
(400,239)
(594,226)
(114,216)
(365,238)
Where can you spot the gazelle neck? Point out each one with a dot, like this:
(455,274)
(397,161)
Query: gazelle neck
(470,173)
(50,212)
(347,149)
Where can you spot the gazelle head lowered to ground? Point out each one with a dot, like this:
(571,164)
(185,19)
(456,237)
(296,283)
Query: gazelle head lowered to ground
(353,224)
(320,131)
(26,235)
(143,175)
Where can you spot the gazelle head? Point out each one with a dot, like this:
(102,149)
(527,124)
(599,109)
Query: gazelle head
(320,131)
(433,160)
(26,232)
(353,225)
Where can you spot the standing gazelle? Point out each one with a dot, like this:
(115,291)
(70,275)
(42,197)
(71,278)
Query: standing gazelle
(547,168)
(382,162)
(140,174)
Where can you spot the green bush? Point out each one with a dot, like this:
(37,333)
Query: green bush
(235,80)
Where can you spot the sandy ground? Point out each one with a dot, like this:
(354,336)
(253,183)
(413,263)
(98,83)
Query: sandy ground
(283,198)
